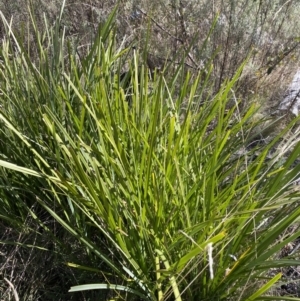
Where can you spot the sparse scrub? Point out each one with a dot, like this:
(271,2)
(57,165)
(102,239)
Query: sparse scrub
(156,195)
(170,31)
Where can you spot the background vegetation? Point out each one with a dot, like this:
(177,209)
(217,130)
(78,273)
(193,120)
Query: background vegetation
(139,154)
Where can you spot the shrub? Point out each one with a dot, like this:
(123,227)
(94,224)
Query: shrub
(165,195)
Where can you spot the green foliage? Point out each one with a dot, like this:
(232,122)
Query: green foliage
(163,191)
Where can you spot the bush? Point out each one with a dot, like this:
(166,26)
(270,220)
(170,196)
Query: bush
(163,194)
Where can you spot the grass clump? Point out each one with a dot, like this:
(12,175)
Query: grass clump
(159,189)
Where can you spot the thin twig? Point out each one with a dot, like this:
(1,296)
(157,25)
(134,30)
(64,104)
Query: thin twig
(171,35)
(280,9)
(13,289)
(159,26)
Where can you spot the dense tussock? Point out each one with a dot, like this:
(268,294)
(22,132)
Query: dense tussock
(128,180)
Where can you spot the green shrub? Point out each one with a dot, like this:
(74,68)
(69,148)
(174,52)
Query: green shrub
(165,193)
